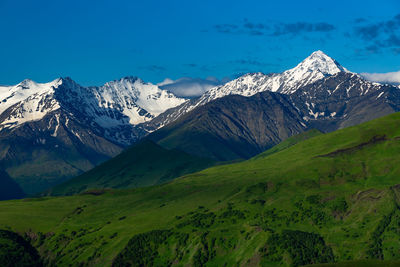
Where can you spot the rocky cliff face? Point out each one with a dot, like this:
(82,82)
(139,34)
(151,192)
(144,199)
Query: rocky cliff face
(344,99)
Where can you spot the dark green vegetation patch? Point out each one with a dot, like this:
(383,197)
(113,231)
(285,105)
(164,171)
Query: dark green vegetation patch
(16,251)
(303,248)
(142,250)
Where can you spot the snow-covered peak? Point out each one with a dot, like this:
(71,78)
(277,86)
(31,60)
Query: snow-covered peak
(124,102)
(320,62)
(124,80)
(24,91)
(27,101)
(146,95)
(26,83)
(316,66)
(134,97)
(34,86)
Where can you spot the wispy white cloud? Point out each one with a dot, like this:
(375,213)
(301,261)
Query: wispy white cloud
(389,77)
(166,82)
(190,87)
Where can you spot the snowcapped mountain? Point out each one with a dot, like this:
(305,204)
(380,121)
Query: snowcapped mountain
(315,67)
(137,100)
(114,108)
(52,131)
(26,101)
(121,103)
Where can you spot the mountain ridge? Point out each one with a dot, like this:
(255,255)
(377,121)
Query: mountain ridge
(127,101)
(313,68)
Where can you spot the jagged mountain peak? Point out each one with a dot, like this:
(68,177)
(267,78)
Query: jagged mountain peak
(321,62)
(26,91)
(68,81)
(315,67)
(26,82)
(131,85)
(27,101)
(145,98)
(126,79)
(127,101)
(318,54)
(131,79)
(29,84)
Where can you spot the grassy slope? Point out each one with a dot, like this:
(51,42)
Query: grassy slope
(88,228)
(144,164)
(289,142)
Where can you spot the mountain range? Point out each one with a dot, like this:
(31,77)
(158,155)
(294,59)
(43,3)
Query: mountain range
(54,131)
(317,66)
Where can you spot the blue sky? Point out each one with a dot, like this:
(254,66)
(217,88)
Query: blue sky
(97,41)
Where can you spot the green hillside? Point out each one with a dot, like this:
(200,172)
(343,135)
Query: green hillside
(332,198)
(144,164)
(289,142)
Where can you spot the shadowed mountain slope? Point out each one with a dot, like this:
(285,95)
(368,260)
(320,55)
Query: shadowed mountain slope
(233,127)
(9,189)
(143,164)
